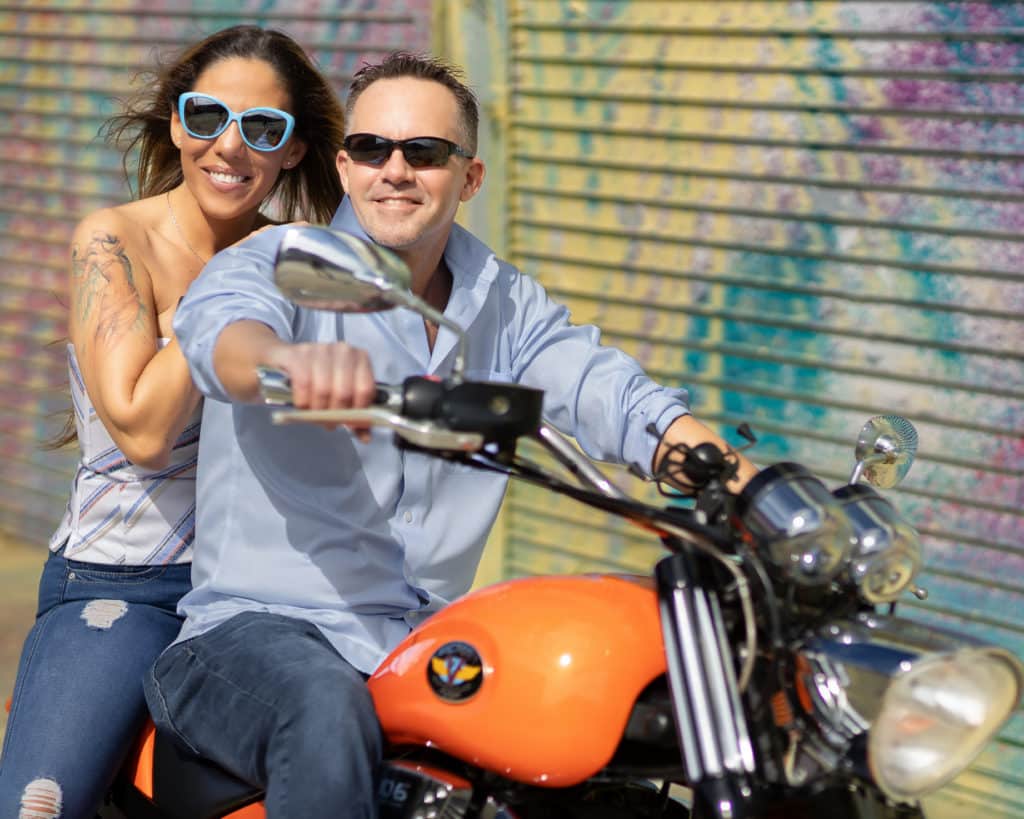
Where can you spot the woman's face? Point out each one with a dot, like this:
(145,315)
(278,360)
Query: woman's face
(229,179)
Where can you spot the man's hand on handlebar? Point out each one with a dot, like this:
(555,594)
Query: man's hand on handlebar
(327,376)
(323,376)
(687,430)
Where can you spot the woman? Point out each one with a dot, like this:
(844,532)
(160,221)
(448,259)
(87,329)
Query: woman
(238,119)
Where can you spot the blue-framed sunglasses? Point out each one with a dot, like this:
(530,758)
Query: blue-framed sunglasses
(206,117)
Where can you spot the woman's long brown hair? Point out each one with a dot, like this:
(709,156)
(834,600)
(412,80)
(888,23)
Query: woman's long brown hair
(311,190)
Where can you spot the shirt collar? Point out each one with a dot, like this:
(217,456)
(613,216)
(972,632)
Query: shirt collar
(473,265)
(345,219)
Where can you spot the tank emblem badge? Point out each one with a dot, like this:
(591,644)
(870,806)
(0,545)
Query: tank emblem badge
(455,672)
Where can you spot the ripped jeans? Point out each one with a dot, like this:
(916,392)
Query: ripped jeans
(78,702)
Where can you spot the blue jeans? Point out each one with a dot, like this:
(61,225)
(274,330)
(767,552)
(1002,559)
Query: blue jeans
(267,698)
(78,703)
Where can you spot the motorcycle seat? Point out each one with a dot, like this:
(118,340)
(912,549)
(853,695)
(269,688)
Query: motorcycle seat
(187,787)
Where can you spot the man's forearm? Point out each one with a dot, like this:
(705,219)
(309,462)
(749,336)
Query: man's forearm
(240,349)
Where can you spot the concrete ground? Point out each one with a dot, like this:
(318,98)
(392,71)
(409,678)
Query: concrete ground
(20,566)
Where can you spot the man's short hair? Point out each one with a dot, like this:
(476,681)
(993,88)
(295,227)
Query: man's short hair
(405,64)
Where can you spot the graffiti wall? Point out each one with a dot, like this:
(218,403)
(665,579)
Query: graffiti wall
(64,69)
(808,213)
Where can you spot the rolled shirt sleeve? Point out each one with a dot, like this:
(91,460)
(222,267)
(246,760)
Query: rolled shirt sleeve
(598,394)
(236,285)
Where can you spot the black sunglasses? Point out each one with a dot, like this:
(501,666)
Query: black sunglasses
(419,152)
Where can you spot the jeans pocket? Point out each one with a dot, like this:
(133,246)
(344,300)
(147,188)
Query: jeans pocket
(102,573)
(52,582)
(161,586)
(167,674)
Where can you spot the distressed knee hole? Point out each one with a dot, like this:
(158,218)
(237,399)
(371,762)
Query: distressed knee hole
(41,799)
(101,614)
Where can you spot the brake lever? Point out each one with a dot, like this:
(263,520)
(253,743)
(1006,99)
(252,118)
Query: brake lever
(276,389)
(422,434)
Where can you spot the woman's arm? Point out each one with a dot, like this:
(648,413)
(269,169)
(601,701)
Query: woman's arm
(143,394)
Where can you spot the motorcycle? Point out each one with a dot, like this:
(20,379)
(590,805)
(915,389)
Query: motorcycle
(760,670)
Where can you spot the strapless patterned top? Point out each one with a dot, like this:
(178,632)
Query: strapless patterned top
(120,513)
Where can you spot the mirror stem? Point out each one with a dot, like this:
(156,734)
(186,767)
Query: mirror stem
(414,302)
(879,456)
(858,470)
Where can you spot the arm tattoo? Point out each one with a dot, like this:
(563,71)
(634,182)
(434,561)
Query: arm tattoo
(105,291)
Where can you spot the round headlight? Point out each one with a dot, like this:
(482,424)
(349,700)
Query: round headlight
(797,523)
(886,552)
(937,716)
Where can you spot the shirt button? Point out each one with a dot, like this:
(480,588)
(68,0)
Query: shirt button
(408,517)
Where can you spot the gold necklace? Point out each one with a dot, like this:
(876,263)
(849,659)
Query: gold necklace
(181,233)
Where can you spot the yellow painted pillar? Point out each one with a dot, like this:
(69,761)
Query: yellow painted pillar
(473,36)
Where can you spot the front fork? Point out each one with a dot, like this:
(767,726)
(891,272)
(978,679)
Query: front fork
(714,737)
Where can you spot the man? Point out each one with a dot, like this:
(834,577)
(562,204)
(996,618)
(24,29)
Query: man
(315,550)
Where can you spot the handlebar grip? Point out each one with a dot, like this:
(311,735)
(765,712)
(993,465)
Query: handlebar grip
(389,396)
(276,389)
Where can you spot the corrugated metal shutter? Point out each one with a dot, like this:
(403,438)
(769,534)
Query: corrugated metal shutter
(808,213)
(63,66)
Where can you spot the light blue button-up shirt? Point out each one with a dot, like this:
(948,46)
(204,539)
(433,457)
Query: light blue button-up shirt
(362,539)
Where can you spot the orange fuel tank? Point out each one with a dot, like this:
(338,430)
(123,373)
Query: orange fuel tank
(533,679)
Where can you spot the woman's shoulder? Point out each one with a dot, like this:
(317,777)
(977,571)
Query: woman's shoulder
(123,228)
(123,224)
(121,234)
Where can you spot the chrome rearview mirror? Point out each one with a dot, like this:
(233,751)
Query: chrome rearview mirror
(330,270)
(885,451)
(327,270)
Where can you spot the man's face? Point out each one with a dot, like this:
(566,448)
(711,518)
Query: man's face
(407,209)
